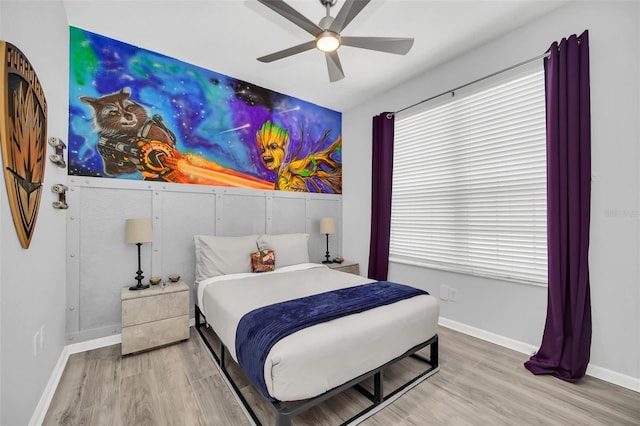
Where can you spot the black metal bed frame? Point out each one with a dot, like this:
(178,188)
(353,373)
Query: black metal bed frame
(285,414)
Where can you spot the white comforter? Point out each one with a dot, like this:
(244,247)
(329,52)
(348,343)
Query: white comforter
(319,358)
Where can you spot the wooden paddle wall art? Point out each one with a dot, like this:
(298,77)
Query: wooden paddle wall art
(23,135)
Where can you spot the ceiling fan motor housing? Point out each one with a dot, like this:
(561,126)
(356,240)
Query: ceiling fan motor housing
(327,34)
(325,22)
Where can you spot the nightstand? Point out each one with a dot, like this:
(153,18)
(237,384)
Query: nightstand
(154,317)
(346,266)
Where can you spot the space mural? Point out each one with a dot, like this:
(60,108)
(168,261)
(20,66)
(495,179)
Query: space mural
(137,114)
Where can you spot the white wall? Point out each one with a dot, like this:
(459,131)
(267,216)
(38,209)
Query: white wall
(32,282)
(516,311)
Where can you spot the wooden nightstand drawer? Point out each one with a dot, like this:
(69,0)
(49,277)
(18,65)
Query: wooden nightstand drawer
(153,308)
(152,334)
(346,266)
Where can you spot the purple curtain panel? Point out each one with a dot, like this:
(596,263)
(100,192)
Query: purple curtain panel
(566,342)
(381,175)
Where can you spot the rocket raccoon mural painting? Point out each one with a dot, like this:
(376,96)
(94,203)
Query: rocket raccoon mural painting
(120,123)
(136,114)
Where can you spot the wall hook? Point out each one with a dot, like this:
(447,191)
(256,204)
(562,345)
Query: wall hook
(58,157)
(61,190)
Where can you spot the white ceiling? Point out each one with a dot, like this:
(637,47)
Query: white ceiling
(227,36)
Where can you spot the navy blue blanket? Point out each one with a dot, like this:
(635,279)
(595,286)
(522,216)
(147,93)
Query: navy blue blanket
(262,328)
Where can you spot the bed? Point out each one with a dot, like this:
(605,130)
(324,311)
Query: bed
(343,349)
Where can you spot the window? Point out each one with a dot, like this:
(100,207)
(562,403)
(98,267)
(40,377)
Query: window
(469,184)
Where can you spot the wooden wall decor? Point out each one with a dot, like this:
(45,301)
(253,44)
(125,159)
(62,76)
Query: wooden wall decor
(23,135)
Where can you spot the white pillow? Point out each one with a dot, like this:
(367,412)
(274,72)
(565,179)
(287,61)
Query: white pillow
(223,255)
(290,249)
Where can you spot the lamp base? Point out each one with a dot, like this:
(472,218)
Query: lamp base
(139,276)
(139,287)
(327,253)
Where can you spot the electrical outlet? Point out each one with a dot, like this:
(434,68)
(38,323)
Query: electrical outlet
(453,294)
(444,292)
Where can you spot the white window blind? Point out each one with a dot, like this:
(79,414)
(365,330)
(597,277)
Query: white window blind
(469,184)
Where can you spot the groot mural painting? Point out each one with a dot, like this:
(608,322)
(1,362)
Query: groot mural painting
(316,171)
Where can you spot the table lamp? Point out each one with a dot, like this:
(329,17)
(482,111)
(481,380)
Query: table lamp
(327,226)
(138,231)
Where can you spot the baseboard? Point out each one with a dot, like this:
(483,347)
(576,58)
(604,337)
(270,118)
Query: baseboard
(88,345)
(613,377)
(525,348)
(488,336)
(45,399)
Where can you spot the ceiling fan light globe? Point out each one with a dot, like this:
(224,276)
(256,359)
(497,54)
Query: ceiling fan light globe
(328,41)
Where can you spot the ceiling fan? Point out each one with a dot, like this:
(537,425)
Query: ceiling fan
(327,34)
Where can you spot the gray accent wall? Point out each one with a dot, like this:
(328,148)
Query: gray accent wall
(99,262)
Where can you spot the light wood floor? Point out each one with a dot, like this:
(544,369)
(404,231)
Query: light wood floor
(479,384)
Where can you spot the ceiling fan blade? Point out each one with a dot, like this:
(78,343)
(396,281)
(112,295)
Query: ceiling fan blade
(349,10)
(334,67)
(288,12)
(399,46)
(288,52)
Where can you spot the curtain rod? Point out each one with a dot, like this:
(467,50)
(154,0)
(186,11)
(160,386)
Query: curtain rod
(544,55)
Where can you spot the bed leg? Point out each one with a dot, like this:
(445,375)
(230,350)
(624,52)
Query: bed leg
(378,384)
(197,317)
(222,357)
(282,419)
(434,353)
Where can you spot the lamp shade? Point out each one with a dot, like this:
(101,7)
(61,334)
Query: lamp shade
(138,231)
(327,225)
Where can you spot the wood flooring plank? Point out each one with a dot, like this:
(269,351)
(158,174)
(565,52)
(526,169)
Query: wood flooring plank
(139,400)
(217,404)
(105,404)
(197,361)
(64,408)
(177,398)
